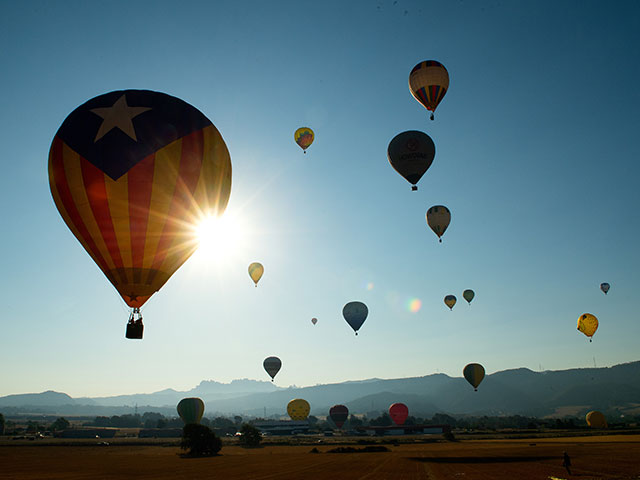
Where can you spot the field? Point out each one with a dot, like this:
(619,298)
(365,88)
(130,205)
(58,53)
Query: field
(601,457)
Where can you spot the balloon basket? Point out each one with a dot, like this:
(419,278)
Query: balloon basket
(414,188)
(135,327)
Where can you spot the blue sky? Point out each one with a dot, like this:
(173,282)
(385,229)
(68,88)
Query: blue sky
(536,157)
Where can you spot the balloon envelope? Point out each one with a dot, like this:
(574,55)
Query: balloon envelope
(450,301)
(411,154)
(588,324)
(314,320)
(304,137)
(438,219)
(429,82)
(255,272)
(339,415)
(596,419)
(355,313)
(132,172)
(468,295)
(398,413)
(272,366)
(190,410)
(474,373)
(605,287)
(298,409)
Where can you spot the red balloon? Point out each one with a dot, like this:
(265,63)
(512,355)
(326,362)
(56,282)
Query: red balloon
(399,413)
(339,415)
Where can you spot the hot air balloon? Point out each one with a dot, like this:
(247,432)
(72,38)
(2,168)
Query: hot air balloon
(398,413)
(474,373)
(339,414)
(355,313)
(438,218)
(450,301)
(132,172)
(468,295)
(314,320)
(428,82)
(588,324)
(298,409)
(596,419)
(605,287)
(304,138)
(255,272)
(191,410)
(272,365)
(411,154)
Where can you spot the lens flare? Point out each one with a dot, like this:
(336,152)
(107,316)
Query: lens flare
(414,305)
(370,286)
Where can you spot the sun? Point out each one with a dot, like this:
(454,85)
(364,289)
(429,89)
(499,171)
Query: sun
(220,238)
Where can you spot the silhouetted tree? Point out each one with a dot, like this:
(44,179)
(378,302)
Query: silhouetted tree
(383,420)
(61,423)
(356,421)
(250,437)
(411,420)
(150,419)
(443,419)
(200,440)
(34,427)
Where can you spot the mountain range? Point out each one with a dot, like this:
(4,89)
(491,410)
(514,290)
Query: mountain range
(511,392)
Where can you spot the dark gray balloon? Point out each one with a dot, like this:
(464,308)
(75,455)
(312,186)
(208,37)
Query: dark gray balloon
(355,313)
(272,365)
(411,154)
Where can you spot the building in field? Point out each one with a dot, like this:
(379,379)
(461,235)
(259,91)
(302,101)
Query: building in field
(405,430)
(282,427)
(87,433)
(160,433)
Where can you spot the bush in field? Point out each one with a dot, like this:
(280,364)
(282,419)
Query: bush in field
(61,423)
(250,436)
(201,441)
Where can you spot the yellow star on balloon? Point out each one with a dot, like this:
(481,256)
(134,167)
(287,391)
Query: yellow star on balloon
(119,115)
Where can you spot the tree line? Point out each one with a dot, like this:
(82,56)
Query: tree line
(226,425)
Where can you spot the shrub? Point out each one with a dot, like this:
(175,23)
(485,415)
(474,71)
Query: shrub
(201,441)
(250,437)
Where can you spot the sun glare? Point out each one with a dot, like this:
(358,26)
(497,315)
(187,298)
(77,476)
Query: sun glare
(220,238)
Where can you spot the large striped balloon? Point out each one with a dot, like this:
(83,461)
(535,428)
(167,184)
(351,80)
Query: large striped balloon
(132,173)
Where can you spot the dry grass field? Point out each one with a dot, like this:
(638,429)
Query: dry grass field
(602,457)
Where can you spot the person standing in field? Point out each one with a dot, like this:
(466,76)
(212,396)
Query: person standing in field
(566,462)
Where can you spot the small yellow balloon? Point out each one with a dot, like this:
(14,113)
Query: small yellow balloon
(298,409)
(588,324)
(255,272)
(596,419)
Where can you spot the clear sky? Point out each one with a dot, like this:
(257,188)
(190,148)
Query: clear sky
(537,157)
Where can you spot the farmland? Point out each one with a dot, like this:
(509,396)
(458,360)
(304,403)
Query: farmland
(597,457)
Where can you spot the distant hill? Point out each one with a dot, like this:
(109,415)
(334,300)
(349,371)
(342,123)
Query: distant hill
(48,398)
(510,392)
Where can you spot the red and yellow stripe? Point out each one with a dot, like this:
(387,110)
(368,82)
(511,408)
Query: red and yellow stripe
(139,229)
